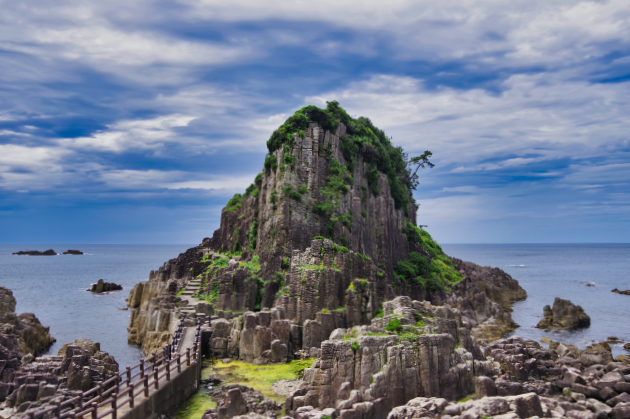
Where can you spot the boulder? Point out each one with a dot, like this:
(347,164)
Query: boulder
(617,291)
(102,286)
(564,315)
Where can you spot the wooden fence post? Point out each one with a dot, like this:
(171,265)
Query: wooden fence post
(168,370)
(179,363)
(128,376)
(142,369)
(188,357)
(95,411)
(114,408)
(146,386)
(156,377)
(131,396)
(58,409)
(100,393)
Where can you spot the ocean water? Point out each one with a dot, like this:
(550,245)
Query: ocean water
(583,273)
(54,288)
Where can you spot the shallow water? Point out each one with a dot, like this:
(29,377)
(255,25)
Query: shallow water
(54,288)
(583,273)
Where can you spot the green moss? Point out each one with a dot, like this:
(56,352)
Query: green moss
(464,399)
(196,406)
(259,377)
(351,287)
(339,249)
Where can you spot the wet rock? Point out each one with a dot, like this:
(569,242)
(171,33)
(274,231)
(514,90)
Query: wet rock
(102,286)
(617,291)
(564,315)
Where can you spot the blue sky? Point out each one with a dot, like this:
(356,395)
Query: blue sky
(135,121)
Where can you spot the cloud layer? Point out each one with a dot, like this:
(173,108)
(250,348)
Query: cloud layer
(115,109)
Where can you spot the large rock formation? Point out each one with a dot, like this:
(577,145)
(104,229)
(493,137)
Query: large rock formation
(48,252)
(37,383)
(564,315)
(324,235)
(33,338)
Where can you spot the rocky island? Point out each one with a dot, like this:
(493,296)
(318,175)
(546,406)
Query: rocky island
(48,252)
(321,259)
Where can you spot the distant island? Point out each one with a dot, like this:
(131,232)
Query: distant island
(49,252)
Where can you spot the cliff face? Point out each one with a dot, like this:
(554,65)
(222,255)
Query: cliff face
(324,235)
(285,215)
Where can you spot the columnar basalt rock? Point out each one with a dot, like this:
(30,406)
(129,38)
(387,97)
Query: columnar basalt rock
(33,337)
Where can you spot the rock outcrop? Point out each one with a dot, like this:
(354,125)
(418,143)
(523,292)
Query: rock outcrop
(34,338)
(617,291)
(72,252)
(236,401)
(48,252)
(102,286)
(44,381)
(564,315)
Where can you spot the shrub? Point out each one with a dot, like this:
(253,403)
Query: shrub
(271,163)
(252,190)
(394,326)
(355,346)
(339,249)
(258,180)
(319,238)
(379,313)
(286,263)
(289,159)
(291,193)
(364,214)
(234,203)
(303,189)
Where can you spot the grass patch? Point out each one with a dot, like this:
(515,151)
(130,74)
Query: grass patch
(195,407)
(259,377)
(394,326)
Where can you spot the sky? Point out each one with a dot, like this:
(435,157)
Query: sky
(135,121)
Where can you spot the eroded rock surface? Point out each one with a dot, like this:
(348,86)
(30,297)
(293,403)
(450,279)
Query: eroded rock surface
(564,315)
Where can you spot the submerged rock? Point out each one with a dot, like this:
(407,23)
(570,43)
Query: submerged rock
(564,315)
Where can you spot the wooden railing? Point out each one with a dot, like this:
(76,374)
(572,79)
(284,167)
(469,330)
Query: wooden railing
(124,387)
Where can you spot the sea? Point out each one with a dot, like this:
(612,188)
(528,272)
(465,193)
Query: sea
(54,287)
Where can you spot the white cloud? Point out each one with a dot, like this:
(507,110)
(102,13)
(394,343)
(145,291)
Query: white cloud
(157,179)
(13,133)
(132,134)
(534,118)
(31,167)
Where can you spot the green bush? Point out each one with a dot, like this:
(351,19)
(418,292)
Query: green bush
(289,159)
(291,193)
(319,238)
(286,263)
(394,326)
(355,346)
(234,203)
(379,313)
(364,214)
(303,189)
(339,249)
(258,180)
(271,163)
(252,190)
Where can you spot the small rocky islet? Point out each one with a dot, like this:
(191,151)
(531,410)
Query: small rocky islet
(321,258)
(49,252)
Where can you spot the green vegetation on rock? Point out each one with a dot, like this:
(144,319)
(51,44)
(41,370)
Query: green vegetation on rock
(258,377)
(435,274)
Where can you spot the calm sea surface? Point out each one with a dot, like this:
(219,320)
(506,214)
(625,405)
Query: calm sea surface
(547,271)
(53,287)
